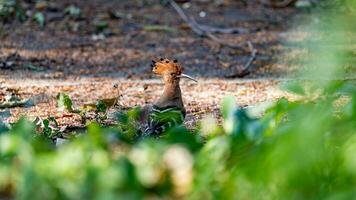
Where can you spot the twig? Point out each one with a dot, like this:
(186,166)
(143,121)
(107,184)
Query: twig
(212,29)
(203,30)
(186,18)
(207,31)
(252,57)
(245,70)
(212,36)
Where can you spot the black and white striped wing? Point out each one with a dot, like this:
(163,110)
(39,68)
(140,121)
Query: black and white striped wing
(162,119)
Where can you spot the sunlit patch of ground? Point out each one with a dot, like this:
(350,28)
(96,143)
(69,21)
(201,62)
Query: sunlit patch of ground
(200,99)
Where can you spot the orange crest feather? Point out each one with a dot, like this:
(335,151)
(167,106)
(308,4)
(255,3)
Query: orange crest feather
(165,66)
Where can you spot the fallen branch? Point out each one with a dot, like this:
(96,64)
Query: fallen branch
(185,18)
(253,54)
(245,70)
(212,29)
(207,31)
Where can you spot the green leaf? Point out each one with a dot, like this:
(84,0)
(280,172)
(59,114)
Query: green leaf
(180,135)
(101,25)
(46,123)
(121,117)
(47,131)
(64,102)
(34,67)
(228,106)
(101,106)
(39,18)
(134,113)
(3,127)
(73,11)
(24,128)
(293,87)
(52,119)
(21,14)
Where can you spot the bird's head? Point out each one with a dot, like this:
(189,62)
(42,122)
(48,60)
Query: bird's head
(170,70)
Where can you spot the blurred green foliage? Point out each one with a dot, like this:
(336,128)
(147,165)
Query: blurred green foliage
(297,150)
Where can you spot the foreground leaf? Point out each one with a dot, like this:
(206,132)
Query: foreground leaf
(64,102)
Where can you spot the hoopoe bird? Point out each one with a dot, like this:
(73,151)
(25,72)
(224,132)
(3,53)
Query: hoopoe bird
(168,111)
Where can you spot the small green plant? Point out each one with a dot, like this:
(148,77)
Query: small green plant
(101,25)
(128,123)
(64,102)
(11,9)
(39,18)
(73,11)
(101,107)
(47,127)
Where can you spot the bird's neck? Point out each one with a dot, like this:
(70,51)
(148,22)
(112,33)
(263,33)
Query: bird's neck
(171,96)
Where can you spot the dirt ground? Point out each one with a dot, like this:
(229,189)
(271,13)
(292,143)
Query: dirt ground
(113,42)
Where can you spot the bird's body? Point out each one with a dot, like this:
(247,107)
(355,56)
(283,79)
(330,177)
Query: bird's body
(168,111)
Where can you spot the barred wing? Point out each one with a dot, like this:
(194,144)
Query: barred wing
(162,119)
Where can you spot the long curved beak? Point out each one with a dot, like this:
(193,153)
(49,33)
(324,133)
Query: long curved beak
(188,77)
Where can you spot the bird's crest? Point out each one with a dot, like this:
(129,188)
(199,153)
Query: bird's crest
(169,69)
(165,66)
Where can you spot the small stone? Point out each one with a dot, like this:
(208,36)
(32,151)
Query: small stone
(202,14)
(97,37)
(186,5)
